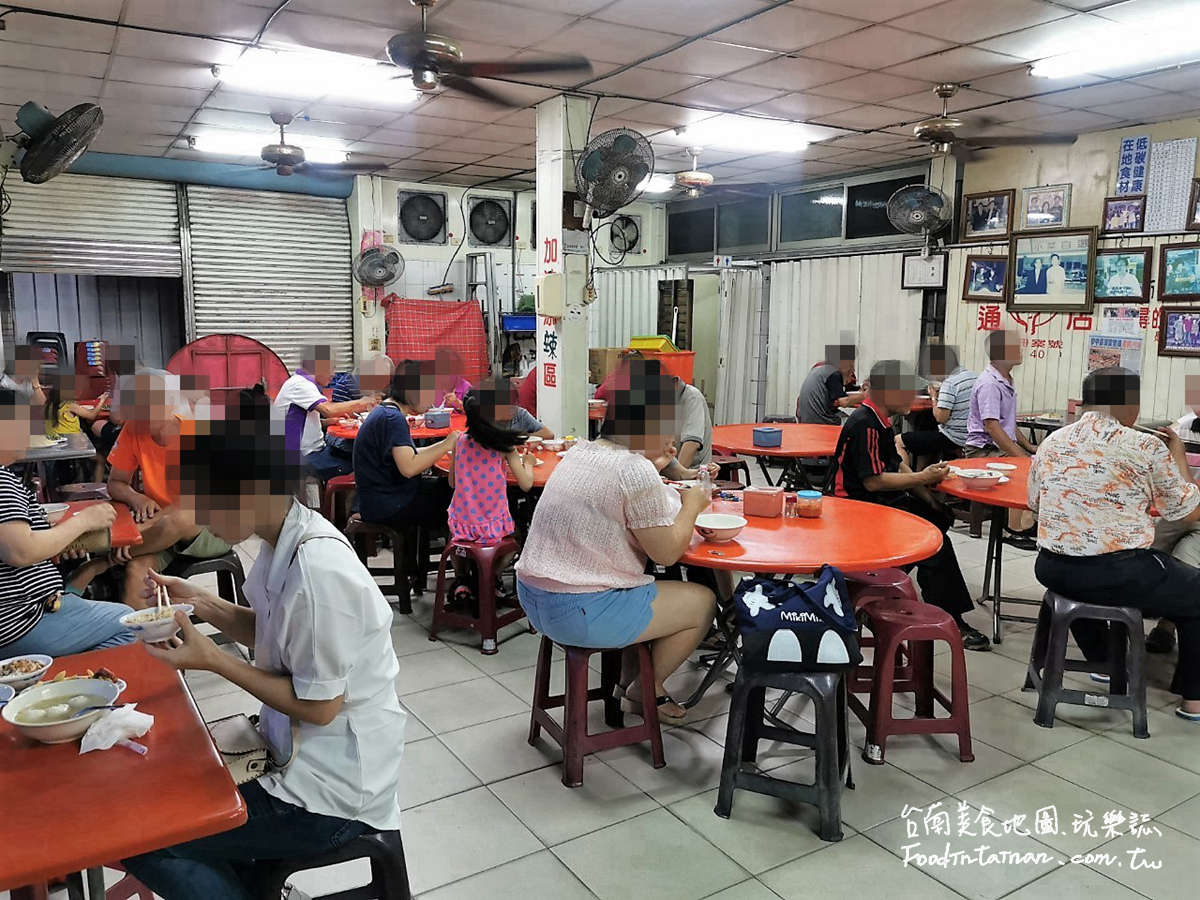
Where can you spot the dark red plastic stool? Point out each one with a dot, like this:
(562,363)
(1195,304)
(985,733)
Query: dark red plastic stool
(731,468)
(918,625)
(573,735)
(489,560)
(889,585)
(365,538)
(335,499)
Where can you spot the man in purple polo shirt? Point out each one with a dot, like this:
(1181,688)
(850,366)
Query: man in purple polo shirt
(302,407)
(992,421)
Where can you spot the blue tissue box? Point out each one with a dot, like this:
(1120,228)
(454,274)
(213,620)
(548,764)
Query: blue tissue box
(437,418)
(768,436)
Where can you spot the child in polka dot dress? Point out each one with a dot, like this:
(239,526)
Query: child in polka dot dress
(482,459)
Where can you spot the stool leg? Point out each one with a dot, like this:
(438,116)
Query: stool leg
(400,572)
(1052,672)
(225,586)
(755,704)
(960,700)
(541,687)
(734,738)
(575,719)
(881,700)
(650,706)
(922,663)
(439,599)
(610,678)
(828,775)
(487,607)
(1041,642)
(1137,681)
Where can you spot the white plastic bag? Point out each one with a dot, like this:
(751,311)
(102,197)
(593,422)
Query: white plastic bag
(118,727)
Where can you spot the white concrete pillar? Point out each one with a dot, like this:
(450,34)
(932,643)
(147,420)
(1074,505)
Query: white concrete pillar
(562,343)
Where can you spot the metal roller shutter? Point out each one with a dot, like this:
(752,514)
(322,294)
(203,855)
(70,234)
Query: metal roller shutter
(274,267)
(91,225)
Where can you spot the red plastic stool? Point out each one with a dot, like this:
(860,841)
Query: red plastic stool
(488,559)
(573,735)
(335,499)
(918,624)
(730,467)
(127,888)
(889,585)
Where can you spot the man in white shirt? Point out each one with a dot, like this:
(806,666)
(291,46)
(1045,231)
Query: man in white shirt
(303,409)
(1056,276)
(694,427)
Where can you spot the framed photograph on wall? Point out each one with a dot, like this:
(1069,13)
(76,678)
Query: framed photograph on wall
(988,216)
(984,278)
(1123,214)
(1179,273)
(1052,272)
(1048,206)
(1123,274)
(1193,208)
(1180,332)
(919,272)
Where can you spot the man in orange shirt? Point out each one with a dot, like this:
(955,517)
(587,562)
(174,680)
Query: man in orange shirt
(149,444)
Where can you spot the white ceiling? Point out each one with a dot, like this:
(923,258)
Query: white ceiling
(862,68)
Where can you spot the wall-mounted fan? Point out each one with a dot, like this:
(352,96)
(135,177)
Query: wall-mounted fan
(941,132)
(434,61)
(489,222)
(47,145)
(625,234)
(917,209)
(610,170)
(378,267)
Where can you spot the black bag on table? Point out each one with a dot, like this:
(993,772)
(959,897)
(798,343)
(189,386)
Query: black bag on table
(789,625)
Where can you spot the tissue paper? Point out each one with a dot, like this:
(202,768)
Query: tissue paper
(119,725)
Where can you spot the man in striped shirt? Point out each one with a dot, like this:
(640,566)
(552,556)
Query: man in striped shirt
(951,406)
(869,468)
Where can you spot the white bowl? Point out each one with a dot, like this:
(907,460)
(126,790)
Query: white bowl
(1002,467)
(555,445)
(55,512)
(597,404)
(100,693)
(158,630)
(20,682)
(6,694)
(983,481)
(719,528)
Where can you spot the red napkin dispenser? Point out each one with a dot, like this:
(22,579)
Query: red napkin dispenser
(762,501)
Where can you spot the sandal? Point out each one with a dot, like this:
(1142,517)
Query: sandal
(1189,716)
(630,705)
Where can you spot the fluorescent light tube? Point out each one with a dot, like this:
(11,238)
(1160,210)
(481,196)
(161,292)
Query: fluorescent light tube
(657,184)
(250,143)
(310,73)
(1152,43)
(747,133)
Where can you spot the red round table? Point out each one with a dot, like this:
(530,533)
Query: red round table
(548,459)
(799,442)
(458,422)
(850,534)
(1014,494)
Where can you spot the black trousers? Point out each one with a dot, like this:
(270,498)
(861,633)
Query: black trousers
(1148,580)
(931,444)
(940,577)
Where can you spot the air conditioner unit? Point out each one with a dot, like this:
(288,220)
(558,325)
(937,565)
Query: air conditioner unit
(422,217)
(489,222)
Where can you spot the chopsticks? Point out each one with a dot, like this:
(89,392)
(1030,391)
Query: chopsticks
(161,599)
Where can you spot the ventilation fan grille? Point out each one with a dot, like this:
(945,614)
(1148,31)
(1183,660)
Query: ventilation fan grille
(422,217)
(490,222)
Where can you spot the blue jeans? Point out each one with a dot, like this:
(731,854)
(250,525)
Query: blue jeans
(79,625)
(222,865)
(613,618)
(326,463)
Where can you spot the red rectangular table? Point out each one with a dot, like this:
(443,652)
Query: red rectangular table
(63,812)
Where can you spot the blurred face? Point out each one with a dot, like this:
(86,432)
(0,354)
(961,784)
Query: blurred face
(150,404)
(18,423)
(320,368)
(1191,392)
(496,401)
(375,376)
(234,519)
(654,435)
(894,398)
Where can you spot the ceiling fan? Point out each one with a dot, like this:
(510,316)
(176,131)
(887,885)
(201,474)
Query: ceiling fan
(287,159)
(435,60)
(941,132)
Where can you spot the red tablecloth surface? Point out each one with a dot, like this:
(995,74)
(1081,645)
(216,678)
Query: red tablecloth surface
(799,441)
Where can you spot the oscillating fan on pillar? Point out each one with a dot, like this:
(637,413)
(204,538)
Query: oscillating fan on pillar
(917,209)
(610,171)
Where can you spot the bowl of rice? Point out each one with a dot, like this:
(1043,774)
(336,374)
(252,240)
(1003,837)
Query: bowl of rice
(20,672)
(157,623)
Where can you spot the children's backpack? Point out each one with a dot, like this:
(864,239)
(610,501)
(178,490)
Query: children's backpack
(797,625)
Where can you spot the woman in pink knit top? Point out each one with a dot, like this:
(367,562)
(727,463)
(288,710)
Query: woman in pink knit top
(581,576)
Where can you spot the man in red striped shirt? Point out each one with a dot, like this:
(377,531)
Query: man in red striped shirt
(869,468)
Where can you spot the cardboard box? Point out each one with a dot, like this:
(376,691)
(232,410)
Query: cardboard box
(601,361)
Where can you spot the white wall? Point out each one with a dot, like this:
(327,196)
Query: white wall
(1051,375)
(814,301)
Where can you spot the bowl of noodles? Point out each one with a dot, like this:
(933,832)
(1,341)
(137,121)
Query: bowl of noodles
(50,713)
(157,623)
(20,672)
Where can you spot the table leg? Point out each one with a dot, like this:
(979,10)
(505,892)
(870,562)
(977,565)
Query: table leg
(718,661)
(75,886)
(30,892)
(996,545)
(95,883)
(762,464)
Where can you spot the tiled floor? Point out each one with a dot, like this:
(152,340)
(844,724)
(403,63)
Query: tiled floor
(487,817)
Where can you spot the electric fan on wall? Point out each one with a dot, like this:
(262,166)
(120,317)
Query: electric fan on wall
(50,144)
(917,209)
(378,267)
(610,170)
